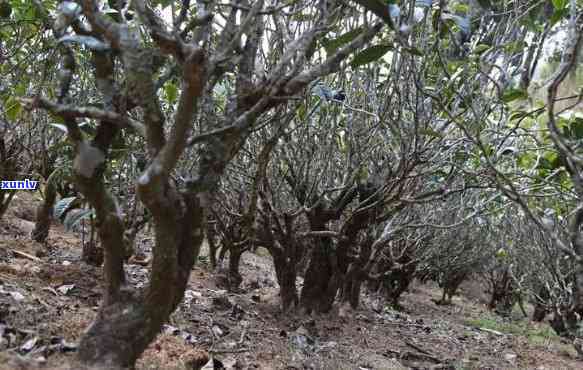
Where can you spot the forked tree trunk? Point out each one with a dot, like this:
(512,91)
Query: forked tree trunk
(396,283)
(233,275)
(135,222)
(44,214)
(566,320)
(450,285)
(540,304)
(356,275)
(317,278)
(328,266)
(505,292)
(286,251)
(92,252)
(212,245)
(351,287)
(286,272)
(128,322)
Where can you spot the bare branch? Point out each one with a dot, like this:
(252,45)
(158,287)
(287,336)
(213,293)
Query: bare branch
(70,112)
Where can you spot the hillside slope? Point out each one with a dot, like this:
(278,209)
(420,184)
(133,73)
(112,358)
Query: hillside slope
(48,297)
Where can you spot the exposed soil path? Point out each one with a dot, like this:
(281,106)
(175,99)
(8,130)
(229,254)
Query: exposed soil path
(48,297)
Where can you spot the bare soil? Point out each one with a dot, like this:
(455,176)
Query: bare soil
(48,297)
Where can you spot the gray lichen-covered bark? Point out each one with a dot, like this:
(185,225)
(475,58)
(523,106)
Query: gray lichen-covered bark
(129,320)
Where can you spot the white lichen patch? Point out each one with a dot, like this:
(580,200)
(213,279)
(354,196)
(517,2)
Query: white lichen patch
(155,169)
(118,212)
(145,178)
(88,159)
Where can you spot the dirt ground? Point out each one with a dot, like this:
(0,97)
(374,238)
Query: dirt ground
(48,297)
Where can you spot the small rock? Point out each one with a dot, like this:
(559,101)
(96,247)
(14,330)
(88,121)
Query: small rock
(510,357)
(66,263)
(327,346)
(188,338)
(171,330)
(230,345)
(65,289)
(68,346)
(301,338)
(222,302)
(192,294)
(29,345)
(40,252)
(18,297)
(237,312)
(218,331)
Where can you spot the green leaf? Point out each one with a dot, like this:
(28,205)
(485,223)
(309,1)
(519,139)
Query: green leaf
(430,132)
(56,176)
(370,55)
(13,109)
(332,45)
(461,9)
(461,156)
(573,129)
(488,150)
(462,22)
(74,218)
(20,89)
(559,4)
(62,206)
(5,9)
(577,128)
(171,92)
(301,112)
(558,15)
(453,66)
(526,160)
(379,8)
(550,160)
(363,174)
(514,47)
(516,115)
(501,253)
(481,48)
(414,51)
(513,94)
(60,127)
